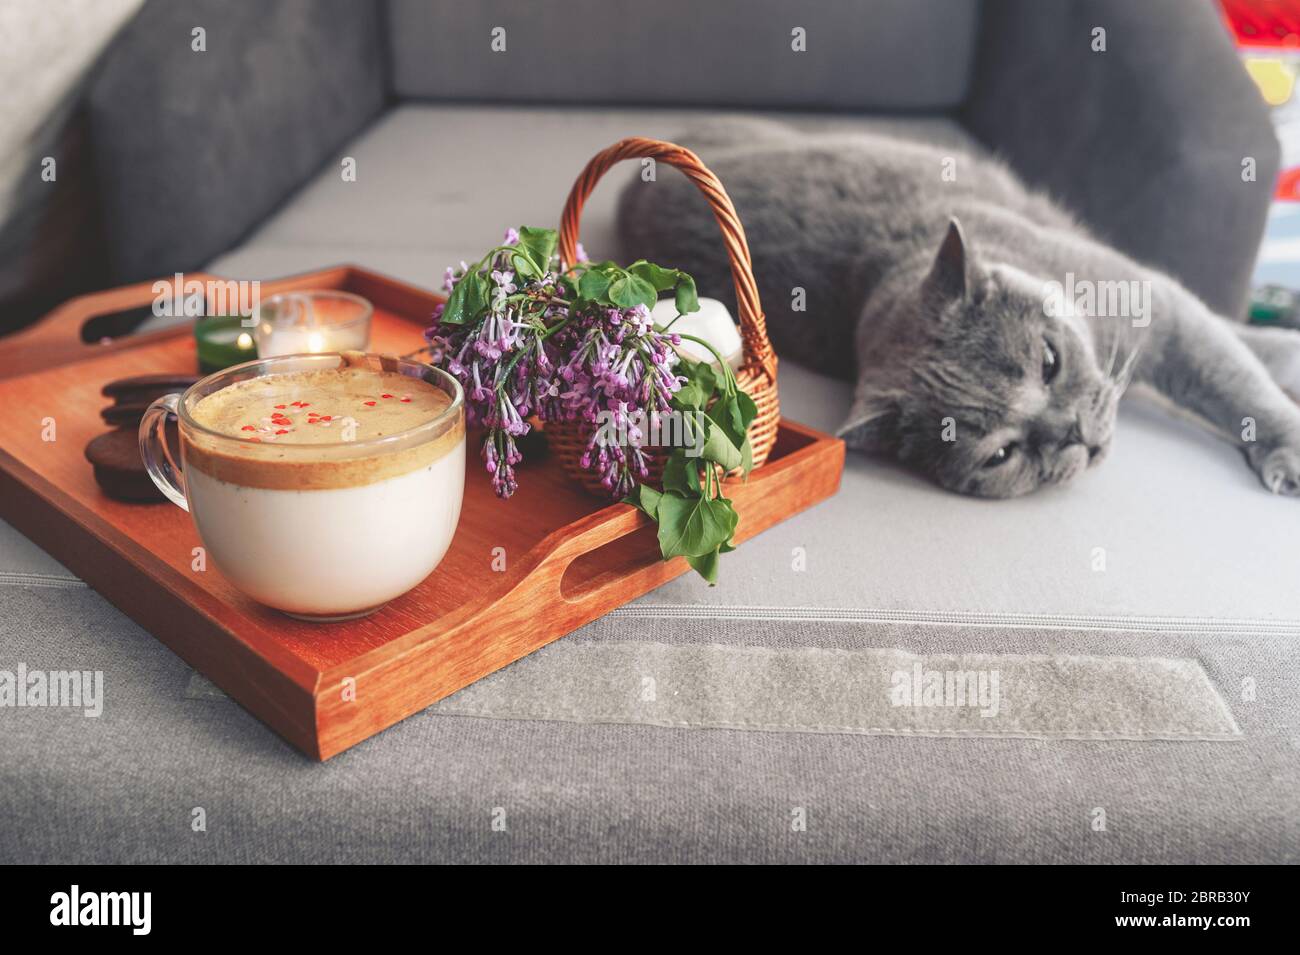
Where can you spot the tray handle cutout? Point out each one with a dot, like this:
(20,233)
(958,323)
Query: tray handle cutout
(606,560)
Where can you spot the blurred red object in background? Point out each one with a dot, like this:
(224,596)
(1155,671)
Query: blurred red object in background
(1264,23)
(1288,186)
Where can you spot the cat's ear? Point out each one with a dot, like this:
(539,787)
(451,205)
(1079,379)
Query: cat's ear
(952,274)
(872,422)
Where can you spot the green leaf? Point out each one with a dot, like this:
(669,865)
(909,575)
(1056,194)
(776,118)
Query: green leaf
(628,291)
(646,499)
(701,382)
(725,413)
(693,527)
(453,313)
(720,448)
(748,410)
(620,292)
(594,286)
(524,265)
(706,565)
(467,300)
(662,279)
(682,474)
(733,519)
(685,296)
(734,414)
(477,295)
(540,244)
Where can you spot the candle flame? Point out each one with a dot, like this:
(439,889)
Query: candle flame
(244,341)
(315,342)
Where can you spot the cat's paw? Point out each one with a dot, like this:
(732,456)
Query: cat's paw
(1278,468)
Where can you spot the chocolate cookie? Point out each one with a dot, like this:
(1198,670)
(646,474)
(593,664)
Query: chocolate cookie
(146,387)
(119,470)
(125,413)
(132,396)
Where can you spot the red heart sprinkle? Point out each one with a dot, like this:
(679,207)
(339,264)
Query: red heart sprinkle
(369,403)
(248,427)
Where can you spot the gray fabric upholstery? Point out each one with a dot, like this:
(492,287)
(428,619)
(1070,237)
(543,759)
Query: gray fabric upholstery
(123,787)
(50,241)
(720,53)
(194,148)
(415,193)
(1145,141)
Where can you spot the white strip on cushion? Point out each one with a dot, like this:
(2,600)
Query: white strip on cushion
(886,692)
(875,691)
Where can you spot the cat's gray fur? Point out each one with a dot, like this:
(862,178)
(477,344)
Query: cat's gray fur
(932,293)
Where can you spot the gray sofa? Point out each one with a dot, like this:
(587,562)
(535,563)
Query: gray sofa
(1146,619)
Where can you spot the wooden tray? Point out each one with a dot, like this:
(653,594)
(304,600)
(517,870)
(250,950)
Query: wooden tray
(569,557)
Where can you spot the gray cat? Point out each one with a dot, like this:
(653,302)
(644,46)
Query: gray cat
(991,335)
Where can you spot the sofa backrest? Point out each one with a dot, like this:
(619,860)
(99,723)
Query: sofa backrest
(719,52)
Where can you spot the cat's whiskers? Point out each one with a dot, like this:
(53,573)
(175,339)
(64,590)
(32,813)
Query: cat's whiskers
(1117,382)
(1130,365)
(1114,353)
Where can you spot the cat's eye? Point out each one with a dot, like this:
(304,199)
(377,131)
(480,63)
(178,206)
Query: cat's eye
(1051,364)
(1001,456)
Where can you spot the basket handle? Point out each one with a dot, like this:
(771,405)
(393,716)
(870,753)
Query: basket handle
(753,327)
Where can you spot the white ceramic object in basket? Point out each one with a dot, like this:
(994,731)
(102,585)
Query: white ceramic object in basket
(713,323)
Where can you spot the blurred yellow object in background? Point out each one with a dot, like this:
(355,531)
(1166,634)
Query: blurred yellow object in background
(1275,79)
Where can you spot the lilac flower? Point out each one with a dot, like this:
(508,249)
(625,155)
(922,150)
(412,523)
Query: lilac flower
(532,353)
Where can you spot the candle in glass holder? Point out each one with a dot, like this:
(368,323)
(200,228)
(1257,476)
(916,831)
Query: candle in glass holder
(310,322)
(222,341)
(712,323)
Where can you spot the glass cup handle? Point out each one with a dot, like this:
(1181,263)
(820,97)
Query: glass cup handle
(156,455)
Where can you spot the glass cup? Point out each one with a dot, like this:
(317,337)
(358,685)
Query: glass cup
(326,531)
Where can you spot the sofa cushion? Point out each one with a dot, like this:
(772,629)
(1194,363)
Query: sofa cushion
(1171,508)
(721,53)
(429,183)
(198,146)
(123,787)
(50,246)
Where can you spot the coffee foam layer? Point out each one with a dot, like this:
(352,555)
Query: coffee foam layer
(308,430)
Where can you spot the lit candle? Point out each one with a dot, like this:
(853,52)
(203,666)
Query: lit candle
(222,341)
(712,323)
(316,321)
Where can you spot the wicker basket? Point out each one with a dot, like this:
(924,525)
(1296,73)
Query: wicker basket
(757,374)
